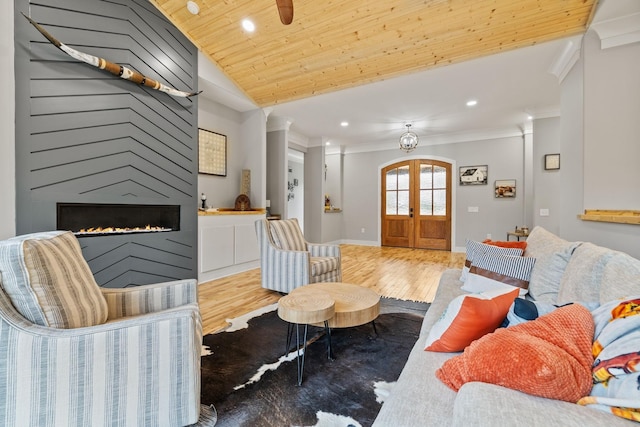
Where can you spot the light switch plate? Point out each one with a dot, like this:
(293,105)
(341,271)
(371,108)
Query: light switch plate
(544,212)
(473,209)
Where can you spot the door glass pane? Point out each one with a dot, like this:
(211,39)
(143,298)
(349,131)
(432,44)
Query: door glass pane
(426,204)
(392,203)
(425,177)
(392,179)
(403,202)
(403,178)
(439,202)
(439,177)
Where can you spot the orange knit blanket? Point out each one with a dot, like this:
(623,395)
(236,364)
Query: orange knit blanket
(548,357)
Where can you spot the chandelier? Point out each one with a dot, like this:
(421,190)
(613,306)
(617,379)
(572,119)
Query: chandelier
(408,140)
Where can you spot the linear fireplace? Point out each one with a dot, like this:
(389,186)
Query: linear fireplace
(96,219)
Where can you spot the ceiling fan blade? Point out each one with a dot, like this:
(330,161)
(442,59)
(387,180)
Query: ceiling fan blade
(285,9)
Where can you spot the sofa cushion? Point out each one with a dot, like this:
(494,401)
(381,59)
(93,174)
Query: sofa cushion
(552,255)
(49,281)
(583,275)
(476,249)
(469,317)
(491,271)
(547,357)
(620,278)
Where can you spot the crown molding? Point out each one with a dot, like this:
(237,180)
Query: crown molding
(276,123)
(566,58)
(439,140)
(618,31)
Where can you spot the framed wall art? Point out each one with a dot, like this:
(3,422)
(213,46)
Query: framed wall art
(212,154)
(474,175)
(506,188)
(551,162)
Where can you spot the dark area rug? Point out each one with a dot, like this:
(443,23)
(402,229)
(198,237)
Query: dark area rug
(251,382)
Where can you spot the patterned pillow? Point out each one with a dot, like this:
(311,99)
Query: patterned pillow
(616,369)
(49,281)
(286,234)
(469,317)
(491,271)
(476,249)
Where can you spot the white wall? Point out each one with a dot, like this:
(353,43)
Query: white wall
(599,134)
(546,194)
(7,124)
(245,150)
(504,158)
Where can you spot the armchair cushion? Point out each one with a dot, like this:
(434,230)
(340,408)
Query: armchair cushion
(49,282)
(286,234)
(323,265)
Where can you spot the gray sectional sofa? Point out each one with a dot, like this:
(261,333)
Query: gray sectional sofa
(564,272)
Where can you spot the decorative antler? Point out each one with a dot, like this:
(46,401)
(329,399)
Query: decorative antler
(115,69)
(285,9)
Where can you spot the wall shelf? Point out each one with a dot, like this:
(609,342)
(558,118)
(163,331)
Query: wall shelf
(616,216)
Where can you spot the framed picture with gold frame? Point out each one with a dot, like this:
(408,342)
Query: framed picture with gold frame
(212,153)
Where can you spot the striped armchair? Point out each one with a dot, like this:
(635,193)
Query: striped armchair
(288,261)
(75,354)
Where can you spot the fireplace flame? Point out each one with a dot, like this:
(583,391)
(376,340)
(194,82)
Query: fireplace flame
(121,230)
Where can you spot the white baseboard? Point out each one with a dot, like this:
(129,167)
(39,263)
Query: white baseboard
(227,271)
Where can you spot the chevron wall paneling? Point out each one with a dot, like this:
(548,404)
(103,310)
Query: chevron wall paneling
(84,135)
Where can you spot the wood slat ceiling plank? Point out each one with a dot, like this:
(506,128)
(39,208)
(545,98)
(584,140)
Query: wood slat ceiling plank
(336,44)
(307,48)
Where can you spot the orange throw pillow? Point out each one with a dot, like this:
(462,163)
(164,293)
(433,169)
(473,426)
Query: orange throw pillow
(504,244)
(469,317)
(547,357)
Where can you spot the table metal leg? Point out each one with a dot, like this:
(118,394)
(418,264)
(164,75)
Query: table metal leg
(328,333)
(300,359)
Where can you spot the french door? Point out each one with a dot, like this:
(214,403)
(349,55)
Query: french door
(416,204)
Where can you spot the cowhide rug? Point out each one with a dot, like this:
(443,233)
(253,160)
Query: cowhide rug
(250,380)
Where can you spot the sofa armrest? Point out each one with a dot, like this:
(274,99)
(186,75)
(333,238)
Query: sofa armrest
(126,302)
(488,405)
(320,250)
(107,368)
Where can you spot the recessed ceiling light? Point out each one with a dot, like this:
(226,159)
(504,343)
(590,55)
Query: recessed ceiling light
(193,7)
(248,25)
(327,143)
(529,117)
(472,103)
(344,124)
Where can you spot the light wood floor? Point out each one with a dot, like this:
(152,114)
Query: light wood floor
(409,274)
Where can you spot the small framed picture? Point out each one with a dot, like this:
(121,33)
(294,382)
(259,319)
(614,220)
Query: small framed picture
(552,162)
(474,175)
(506,188)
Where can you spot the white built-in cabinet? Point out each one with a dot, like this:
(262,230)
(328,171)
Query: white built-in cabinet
(227,244)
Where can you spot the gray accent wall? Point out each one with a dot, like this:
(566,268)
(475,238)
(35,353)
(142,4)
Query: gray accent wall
(86,136)
(547,140)
(7,124)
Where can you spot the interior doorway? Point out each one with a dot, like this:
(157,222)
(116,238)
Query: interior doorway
(416,204)
(295,186)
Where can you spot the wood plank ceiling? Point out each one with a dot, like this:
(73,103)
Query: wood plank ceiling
(336,44)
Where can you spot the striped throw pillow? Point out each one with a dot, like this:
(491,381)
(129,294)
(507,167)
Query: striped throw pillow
(286,234)
(477,249)
(491,271)
(49,281)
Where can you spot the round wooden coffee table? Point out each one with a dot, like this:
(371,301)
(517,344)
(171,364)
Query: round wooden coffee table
(354,305)
(305,309)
